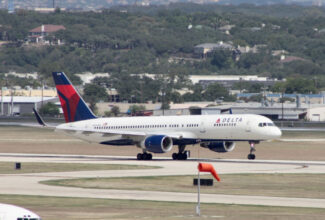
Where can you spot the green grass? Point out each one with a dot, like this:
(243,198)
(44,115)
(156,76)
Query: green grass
(281,185)
(53,208)
(29,167)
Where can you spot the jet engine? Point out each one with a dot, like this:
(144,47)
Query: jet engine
(158,144)
(219,146)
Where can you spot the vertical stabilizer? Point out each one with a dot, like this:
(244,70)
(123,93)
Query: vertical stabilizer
(73,106)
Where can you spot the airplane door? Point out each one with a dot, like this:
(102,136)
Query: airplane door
(248,126)
(202,127)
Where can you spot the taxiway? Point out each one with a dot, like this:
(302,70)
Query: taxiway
(28,184)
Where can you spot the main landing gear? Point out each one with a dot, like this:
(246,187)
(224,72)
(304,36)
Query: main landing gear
(251,156)
(182,153)
(144,156)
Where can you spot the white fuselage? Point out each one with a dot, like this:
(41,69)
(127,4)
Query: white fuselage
(221,127)
(12,212)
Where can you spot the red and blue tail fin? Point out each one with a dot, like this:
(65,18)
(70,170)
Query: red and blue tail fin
(74,107)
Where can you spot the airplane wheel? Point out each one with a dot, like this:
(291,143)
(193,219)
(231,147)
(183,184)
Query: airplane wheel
(175,156)
(183,156)
(139,156)
(149,156)
(251,156)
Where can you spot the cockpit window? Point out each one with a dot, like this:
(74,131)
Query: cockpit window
(264,124)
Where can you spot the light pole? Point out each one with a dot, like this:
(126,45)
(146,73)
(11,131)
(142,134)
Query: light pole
(163,101)
(282,101)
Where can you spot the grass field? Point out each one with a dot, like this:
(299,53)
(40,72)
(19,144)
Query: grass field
(53,208)
(279,185)
(9,168)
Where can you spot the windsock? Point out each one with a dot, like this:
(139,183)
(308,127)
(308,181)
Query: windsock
(206,167)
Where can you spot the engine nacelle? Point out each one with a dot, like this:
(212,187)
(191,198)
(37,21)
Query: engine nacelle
(219,146)
(158,144)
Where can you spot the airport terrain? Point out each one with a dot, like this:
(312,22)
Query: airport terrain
(298,161)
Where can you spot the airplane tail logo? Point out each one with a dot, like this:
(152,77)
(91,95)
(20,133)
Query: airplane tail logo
(74,107)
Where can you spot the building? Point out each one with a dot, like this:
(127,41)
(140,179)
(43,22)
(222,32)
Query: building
(278,111)
(248,49)
(20,105)
(87,77)
(39,35)
(226,80)
(229,80)
(22,75)
(203,50)
(48,10)
(226,29)
(289,59)
(297,99)
(30,92)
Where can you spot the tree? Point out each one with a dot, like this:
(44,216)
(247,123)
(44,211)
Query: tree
(250,59)
(115,110)
(176,97)
(255,98)
(165,105)
(93,94)
(196,95)
(296,85)
(216,91)
(300,85)
(222,59)
(133,109)
(49,109)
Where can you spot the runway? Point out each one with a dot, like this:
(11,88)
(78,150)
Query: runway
(28,184)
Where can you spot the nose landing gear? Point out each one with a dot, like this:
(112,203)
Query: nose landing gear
(251,156)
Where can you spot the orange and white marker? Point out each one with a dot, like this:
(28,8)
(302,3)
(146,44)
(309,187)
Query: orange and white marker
(206,167)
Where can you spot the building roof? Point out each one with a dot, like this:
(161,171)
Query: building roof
(198,78)
(24,99)
(49,28)
(289,59)
(212,46)
(226,27)
(278,95)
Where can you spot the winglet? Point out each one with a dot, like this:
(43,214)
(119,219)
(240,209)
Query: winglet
(39,118)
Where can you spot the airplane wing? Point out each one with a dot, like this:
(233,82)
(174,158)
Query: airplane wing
(135,135)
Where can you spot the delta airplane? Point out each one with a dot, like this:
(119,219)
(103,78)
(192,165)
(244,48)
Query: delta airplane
(12,212)
(158,134)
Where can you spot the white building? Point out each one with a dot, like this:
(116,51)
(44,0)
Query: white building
(18,105)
